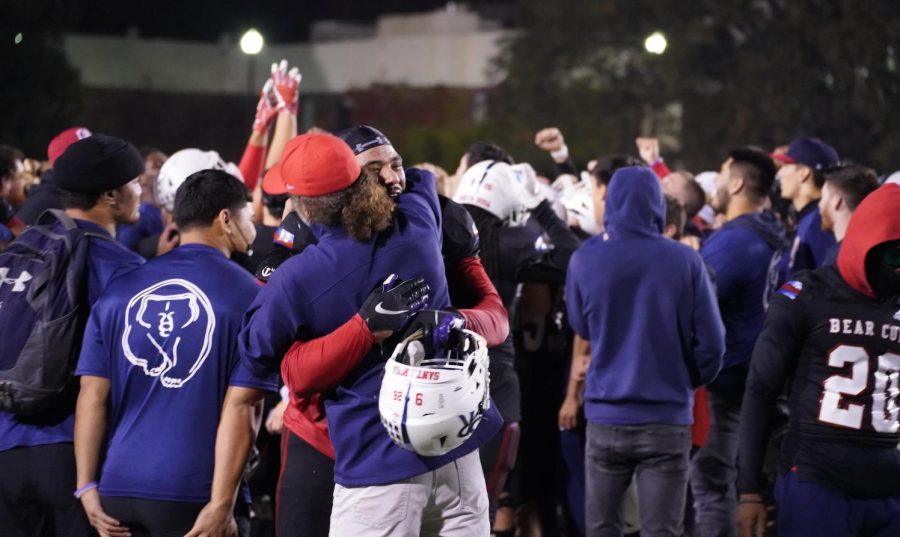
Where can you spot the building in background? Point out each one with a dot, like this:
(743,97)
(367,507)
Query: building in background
(175,94)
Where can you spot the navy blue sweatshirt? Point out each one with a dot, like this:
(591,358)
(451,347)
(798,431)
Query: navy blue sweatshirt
(745,255)
(647,307)
(320,289)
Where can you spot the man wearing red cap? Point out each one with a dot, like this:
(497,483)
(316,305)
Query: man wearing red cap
(362,237)
(307,453)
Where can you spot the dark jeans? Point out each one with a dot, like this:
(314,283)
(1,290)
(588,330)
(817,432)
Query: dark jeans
(657,455)
(36,486)
(305,489)
(158,518)
(714,471)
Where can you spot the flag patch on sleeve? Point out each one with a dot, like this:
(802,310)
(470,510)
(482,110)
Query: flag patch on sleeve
(284,238)
(791,289)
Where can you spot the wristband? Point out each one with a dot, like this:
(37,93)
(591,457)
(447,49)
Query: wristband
(560,155)
(81,491)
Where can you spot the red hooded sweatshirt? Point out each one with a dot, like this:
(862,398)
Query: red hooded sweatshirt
(875,221)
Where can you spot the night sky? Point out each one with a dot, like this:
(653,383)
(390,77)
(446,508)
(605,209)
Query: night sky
(207,20)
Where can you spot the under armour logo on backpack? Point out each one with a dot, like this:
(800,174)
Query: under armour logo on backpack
(17,283)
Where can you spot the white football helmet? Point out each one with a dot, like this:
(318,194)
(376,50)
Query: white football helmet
(579,204)
(432,404)
(181,165)
(493,186)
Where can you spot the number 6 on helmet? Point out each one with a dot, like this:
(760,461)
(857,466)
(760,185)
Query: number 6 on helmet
(433,404)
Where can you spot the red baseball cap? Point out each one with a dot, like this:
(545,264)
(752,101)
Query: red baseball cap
(61,141)
(312,165)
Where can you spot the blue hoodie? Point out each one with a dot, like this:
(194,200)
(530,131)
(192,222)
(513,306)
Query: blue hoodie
(647,307)
(745,255)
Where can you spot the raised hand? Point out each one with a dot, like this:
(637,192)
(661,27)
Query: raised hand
(551,140)
(648,149)
(266,108)
(286,86)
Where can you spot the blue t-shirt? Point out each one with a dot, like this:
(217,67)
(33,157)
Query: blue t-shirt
(150,223)
(166,338)
(318,290)
(107,259)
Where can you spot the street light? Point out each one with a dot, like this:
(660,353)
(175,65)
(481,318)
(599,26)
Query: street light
(251,44)
(655,43)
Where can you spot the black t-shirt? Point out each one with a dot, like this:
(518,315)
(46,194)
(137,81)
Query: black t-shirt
(837,352)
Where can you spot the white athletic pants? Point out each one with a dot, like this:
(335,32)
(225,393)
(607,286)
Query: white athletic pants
(449,502)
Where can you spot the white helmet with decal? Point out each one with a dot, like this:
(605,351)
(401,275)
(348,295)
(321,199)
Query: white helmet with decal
(431,401)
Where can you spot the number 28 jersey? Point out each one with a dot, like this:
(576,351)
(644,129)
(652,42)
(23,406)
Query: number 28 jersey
(838,352)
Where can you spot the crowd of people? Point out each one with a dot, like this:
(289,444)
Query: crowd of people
(320,340)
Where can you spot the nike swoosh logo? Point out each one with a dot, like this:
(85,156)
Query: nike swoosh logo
(383,311)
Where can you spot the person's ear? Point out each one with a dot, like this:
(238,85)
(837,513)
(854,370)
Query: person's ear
(838,203)
(110,198)
(669,231)
(735,185)
(224,218)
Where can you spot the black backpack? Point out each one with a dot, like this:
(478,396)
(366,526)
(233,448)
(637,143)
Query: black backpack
(43,312)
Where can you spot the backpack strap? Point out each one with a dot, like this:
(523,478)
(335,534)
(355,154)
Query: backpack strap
(68,223)
(58,215)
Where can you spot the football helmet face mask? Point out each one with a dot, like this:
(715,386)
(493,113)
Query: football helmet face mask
(181,165)
(435,389)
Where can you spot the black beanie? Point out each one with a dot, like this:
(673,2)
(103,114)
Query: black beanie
(362,138)
(96,164)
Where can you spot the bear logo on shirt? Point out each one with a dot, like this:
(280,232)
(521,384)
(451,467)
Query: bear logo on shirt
(169,328)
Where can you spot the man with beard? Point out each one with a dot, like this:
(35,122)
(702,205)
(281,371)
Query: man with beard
(362,237)
(307,451)
(744,254)
(846,185)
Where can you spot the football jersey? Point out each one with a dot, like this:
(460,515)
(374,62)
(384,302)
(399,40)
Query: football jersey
(839,351)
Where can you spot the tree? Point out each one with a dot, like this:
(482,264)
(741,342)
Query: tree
(740,73)
(39,90)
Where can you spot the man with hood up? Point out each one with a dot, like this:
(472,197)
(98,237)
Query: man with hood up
(744,256)
(646,305)
(834,335)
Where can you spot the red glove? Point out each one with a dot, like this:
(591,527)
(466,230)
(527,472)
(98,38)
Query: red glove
(286,86)
(266,109)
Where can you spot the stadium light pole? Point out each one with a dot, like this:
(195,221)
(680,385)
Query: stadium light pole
(656,43)
(251,44)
